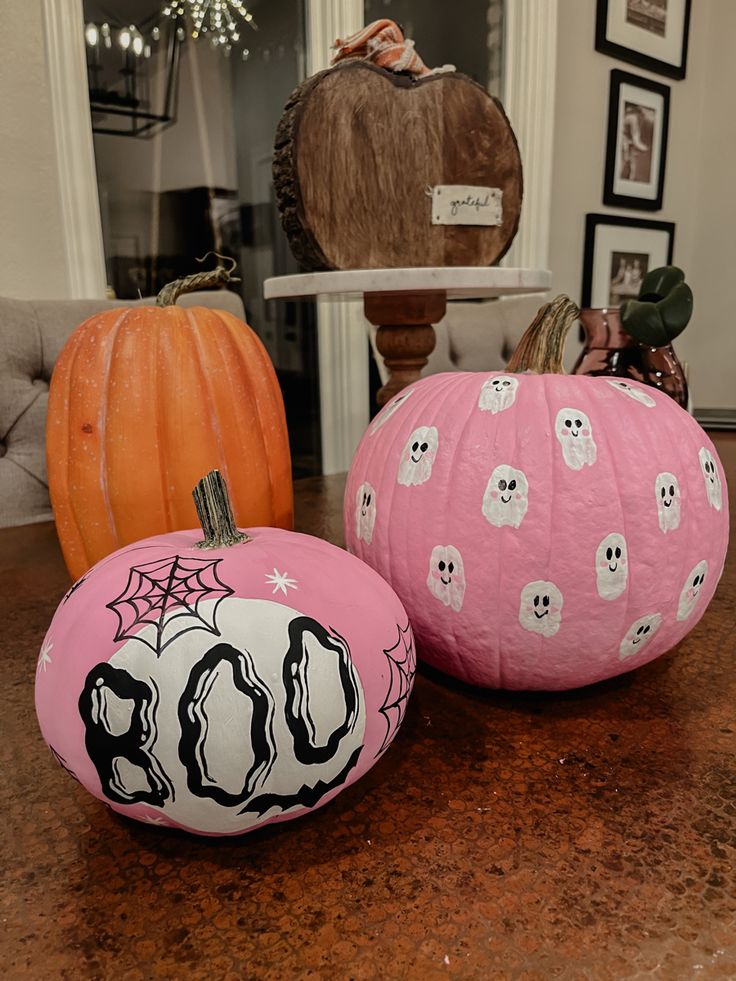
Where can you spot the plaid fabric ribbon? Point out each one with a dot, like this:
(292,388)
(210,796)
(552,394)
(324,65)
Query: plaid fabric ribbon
(384,44)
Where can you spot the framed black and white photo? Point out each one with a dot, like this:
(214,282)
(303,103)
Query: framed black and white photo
(651,34)
(618,254)
(638,123)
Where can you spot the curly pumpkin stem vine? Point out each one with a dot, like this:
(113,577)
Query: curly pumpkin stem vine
(219,276)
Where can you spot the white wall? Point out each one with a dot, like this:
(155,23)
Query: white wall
(32,257)
(698,194)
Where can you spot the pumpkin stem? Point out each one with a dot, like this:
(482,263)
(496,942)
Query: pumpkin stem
(219,276)
(543,342)
(215,514)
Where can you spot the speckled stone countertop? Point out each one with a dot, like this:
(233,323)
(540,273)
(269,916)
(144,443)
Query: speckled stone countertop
(582,835)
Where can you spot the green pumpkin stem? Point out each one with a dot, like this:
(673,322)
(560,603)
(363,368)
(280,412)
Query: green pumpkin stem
(215,514)
(542,345)
(219,276)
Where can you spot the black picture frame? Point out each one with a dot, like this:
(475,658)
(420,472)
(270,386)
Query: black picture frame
(623,199)
(606,45)
(594,221)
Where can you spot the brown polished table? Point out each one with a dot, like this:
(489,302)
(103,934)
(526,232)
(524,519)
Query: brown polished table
(590,834)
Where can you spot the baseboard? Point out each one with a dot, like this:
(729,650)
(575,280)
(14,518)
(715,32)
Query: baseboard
(716,418)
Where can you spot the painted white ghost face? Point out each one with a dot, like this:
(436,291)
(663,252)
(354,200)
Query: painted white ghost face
(573,430)
(365,512)
(506,498)
(711,478)
(540,609)
(691,590)
(633,393)
(611,566)
(667,490)
(446,579)
(418,456)
(498,393)
(388,411)
(639,634)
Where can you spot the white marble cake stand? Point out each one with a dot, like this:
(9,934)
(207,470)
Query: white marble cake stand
(404,304)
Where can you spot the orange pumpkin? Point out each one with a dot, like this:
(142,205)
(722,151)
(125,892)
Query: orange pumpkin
(145,400)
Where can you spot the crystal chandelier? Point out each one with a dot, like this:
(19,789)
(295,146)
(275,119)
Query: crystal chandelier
(219,20)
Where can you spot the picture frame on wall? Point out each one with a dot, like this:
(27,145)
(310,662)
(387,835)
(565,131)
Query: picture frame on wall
(619,251)
(651,34)
(636,154)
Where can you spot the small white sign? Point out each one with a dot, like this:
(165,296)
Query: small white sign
(461,204)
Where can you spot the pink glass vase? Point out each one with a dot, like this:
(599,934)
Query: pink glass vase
(609,350)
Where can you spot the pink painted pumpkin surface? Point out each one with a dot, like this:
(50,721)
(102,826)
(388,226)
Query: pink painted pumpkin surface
(278,675)
(543,531)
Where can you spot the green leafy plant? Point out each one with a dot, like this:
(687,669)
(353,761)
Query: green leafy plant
(662,310)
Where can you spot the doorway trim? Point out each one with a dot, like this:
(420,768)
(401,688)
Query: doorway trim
(66,62)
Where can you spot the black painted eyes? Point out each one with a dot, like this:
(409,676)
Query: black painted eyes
(663,491)
(512,485)
(503,485)
(424,447)
(710,467)
(506,384)
(643,630)
(698,581)
(545,600)
(568,423)
(414,447)
(672,490)
(442,566)
(368,499)
(610,552)
(450,566)
(578,423)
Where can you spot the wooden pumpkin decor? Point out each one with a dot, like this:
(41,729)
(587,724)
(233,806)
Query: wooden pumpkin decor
(382,163)
(145,399)
(220,685)
(543,531)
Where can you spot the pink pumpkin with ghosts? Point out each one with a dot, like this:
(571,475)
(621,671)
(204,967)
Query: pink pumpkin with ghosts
(543,531)
(224,689)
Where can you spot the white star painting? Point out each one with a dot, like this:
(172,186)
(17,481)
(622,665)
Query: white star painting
(44,658)
(281,581)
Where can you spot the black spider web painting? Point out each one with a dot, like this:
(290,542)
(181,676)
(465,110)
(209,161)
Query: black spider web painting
(162,600)
(402,664)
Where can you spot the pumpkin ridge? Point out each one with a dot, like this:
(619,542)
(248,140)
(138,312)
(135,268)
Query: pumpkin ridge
(162,442)
(602,433)
(103,428)
(83,514)
(57,457)
(223,337)
(265,393)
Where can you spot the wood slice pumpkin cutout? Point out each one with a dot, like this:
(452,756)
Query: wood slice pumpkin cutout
(357,149)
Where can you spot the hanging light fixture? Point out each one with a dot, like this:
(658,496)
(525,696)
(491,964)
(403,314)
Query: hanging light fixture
(121,63)
(220,21)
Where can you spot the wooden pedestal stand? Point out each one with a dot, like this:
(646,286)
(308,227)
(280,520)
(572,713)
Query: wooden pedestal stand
(404,304)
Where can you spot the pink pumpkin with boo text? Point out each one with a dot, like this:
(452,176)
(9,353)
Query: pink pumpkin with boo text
(543,531)
(224,689)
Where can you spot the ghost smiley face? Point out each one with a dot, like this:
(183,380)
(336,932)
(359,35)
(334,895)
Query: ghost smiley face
(418,456)
(506,497)
(446,579)
(540,608)
(611,566)
(365,512)
(633,393)
(639,634)
(573,430)
(667,491)
(691,590)
(498,393)
(711,478)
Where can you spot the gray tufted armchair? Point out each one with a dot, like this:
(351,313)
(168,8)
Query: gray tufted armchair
(32,334)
